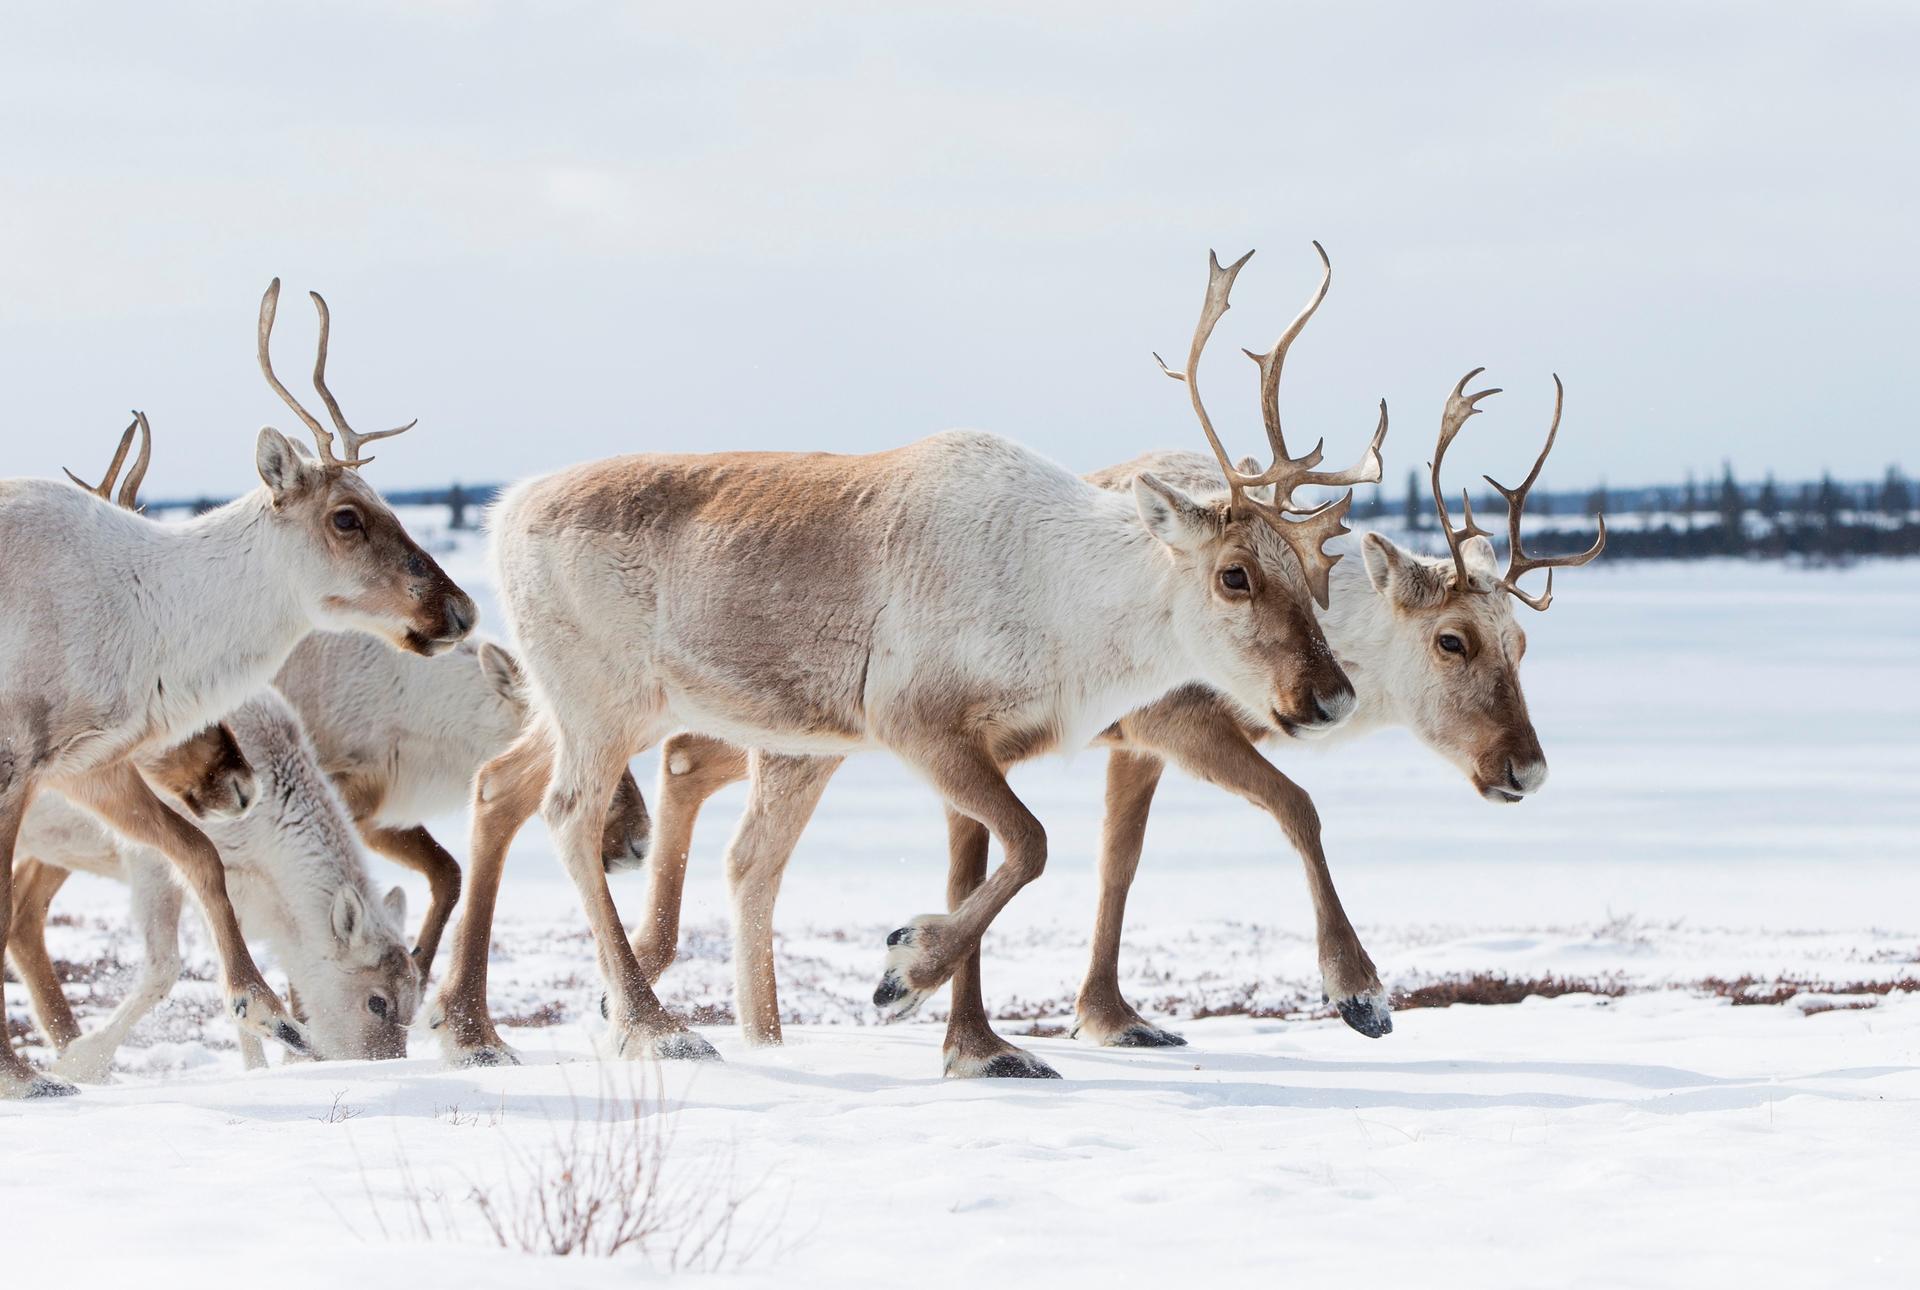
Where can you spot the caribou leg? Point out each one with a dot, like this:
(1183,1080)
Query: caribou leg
(18,1079)
(972,1050)
(155,907)
(1210,745)
(417,849)
(922,955)
(122,799)
(1102,1014)
(692,769)
(786,789)
(34,886)
(587,768)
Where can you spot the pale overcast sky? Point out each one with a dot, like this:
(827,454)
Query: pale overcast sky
(561,231)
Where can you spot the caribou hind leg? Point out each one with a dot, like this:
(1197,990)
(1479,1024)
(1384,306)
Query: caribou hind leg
(586,771)
(972,1050)
(692,769)
(1102,1014)
(155,907)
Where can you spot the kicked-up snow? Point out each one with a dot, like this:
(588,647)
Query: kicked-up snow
(1720,885)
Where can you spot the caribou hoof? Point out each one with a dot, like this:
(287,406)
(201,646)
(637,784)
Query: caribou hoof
(1014,1063)
(908,948)
(684,1046)
(1142,1035)
(1369,1013)
(47,1086)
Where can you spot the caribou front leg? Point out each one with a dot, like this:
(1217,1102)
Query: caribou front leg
(17,1078)
(121,798)
(155,907)
(1102,1014)
(928,950)
(972,1049)
(1210,745)
(34,886)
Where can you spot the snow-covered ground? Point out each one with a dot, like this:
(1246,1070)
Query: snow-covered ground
(1735,751)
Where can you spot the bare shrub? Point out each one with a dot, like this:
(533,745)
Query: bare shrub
(1747,990)
(604,1184)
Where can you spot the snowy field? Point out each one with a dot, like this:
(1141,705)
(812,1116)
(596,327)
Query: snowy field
(1733,817)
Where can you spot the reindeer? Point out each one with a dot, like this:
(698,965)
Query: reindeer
(402,738)
(122,633)
(298,882)
(1432,646)
(959,602)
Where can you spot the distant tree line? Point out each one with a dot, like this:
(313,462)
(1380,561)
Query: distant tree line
(1822,520)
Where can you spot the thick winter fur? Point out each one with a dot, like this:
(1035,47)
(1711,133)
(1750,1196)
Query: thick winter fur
(1387,613)
(120,633)
(298,881)
(402,737)
(960,602)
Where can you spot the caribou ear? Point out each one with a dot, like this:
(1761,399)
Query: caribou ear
(1170,514)
(503,673)
(349,916)
(1402,577)
(284,469)
(1482,568)
(395,903)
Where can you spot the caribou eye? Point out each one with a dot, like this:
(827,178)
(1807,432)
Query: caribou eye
(377,1006)
(347,520)
(1233,578)
(1451,644)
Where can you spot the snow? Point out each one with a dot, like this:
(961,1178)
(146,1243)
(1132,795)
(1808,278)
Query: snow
(1734,749)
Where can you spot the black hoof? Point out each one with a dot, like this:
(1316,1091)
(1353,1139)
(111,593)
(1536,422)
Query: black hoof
(1018,1066)
(684,1046)
(900,936)
(1145,1036)
(292,1038)
(1368,1014)
(890,991)
(489,1057)
(45,1087)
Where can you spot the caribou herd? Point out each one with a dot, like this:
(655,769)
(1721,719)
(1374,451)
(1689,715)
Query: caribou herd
(234,704)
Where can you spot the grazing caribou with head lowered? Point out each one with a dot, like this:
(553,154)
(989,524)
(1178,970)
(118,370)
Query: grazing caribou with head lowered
(119,634)
(298,882)
(960,602)
(1432,644)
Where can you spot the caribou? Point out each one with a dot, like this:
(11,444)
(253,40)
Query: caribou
(961,602)
(123,633)
(1432,644)
(298,882)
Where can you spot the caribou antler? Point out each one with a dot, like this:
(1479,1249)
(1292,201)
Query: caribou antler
(322,437)
(1305,531)
(129,497)
(1519,563)
(1459,407)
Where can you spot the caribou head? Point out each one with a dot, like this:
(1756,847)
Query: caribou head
(1258,561)
(364,569)
(1458,647)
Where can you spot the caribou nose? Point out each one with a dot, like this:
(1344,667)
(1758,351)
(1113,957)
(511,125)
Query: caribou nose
(1335,706)
(1526,777)
(460,616)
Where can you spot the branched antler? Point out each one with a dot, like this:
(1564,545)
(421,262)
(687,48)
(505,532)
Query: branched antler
(322,437)
(1306,531)
(1459,407)
(129,497)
